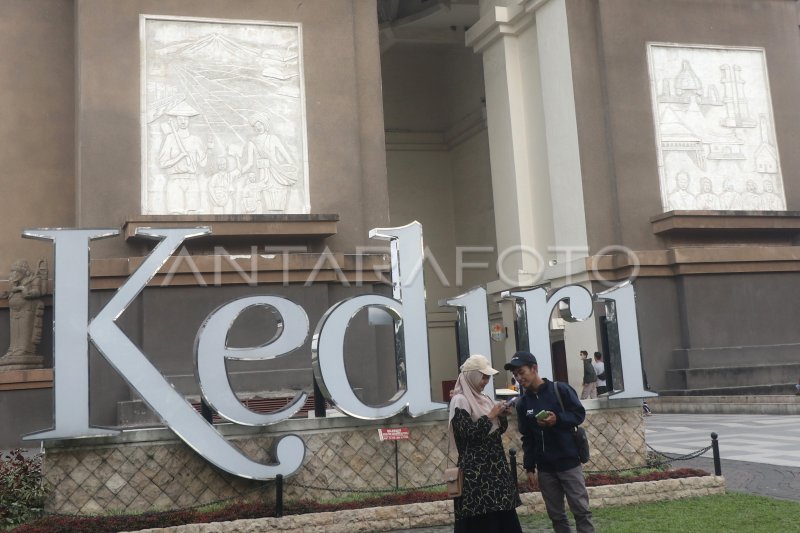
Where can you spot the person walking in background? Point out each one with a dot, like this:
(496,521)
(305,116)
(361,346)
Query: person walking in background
(489,498)
(797,387)
(589,377)
(548,443)
(600,370)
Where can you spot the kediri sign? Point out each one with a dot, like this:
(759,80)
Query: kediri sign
(74,330)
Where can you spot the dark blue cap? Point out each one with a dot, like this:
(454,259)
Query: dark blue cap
(520,359)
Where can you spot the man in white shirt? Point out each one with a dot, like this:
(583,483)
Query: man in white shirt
(600,370)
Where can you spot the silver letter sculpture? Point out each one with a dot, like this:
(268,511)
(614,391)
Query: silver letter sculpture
(538,307)
(407,309)
(411,331)
(473,325)
(620,302)
(71,340)
(211,350)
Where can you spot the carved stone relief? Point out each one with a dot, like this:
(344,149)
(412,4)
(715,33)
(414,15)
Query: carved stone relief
(26,311)
(223,117)
(714,125)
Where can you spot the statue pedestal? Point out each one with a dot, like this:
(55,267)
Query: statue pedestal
(40,378)
(21,362)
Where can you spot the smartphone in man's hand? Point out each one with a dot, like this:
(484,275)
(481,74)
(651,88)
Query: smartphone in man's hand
(541,415)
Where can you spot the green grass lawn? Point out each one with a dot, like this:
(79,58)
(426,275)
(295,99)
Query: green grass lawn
(731,512)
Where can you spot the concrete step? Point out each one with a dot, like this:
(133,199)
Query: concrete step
(765,405)
(725,356)
(744,399)
(751,391)
(732,376)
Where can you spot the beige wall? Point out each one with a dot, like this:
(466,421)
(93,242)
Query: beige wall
(414,88)
(439,174)
(36,133)
(621,182)
(421,189)
(612,97)
(438,157)
(71,134)
(70,143)
(474,208)
(343,105)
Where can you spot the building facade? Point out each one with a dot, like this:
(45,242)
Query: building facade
(538,142)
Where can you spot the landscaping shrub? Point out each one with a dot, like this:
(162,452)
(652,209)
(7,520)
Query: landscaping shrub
(21,489)
(596,480)
(313,506)
(113,523)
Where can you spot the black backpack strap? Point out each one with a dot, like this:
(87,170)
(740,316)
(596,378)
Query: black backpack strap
(558,395)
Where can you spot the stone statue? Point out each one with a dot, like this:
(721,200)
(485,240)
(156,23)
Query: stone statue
(26,310)
(770,200)
(222,188)
(682,198)
(751,200)
(730,199)
(707,199)
(181,156)
(267,156)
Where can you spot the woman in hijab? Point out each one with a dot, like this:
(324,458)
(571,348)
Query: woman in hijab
(489,498)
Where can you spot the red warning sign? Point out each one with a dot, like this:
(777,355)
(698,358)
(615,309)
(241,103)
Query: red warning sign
(393,434)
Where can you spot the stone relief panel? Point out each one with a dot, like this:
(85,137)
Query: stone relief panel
(714,126)
(223,117)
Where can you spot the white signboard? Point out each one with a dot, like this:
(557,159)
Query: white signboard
(715,133)
(222,117)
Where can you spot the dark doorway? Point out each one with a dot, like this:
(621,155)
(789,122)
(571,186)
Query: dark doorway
(607,332)
(559,361)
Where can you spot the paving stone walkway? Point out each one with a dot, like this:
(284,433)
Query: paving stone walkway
(759,452)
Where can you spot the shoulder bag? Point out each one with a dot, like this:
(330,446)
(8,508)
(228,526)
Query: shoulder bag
(453,476)
(578,433)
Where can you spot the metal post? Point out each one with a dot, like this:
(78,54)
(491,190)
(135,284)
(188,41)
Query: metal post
(513,453)
(396,468)
(279,495)
(715,449)
(319,401)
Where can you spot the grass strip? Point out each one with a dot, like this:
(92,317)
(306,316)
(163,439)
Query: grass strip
(731,512)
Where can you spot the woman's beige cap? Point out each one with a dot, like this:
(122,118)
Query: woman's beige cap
(479,363)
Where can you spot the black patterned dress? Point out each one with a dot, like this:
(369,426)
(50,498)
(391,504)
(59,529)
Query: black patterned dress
(489,499)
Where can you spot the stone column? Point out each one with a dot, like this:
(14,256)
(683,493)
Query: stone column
(533,141)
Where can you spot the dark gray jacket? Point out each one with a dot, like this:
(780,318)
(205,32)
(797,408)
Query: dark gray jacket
(589,375)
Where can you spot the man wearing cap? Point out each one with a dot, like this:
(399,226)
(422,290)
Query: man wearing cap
(548,443)
(180,156)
